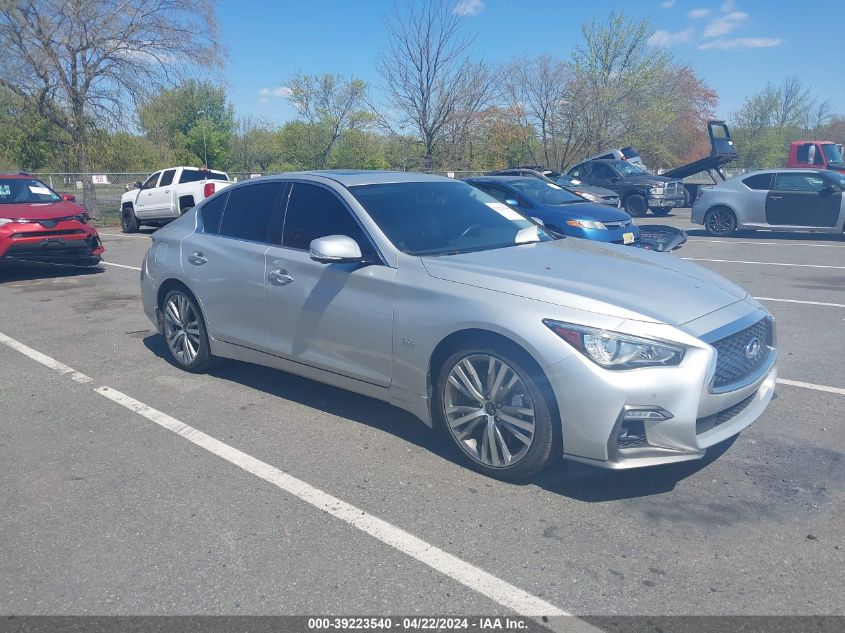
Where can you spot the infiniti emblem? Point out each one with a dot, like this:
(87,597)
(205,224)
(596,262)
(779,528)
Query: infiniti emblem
(752,349)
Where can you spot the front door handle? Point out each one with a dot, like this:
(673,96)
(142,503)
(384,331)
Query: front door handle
(279,277)
(776,197)
(197,259)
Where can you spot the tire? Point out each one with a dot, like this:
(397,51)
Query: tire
(128,221)
(520,448)
(720,221)
(636,205)
(687,198)
(184,332)
(661,212)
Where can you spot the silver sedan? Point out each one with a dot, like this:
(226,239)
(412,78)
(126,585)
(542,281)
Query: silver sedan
(426,293)
(781,199)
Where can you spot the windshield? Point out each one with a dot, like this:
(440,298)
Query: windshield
(544,192)
(18,190)
(627,169)
(832,153)
(439,218)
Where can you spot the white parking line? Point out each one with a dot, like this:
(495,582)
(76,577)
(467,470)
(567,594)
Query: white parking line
(812,303)
(809,385)
(142,236)
(121,265)
(701,239)
(739,261)
(470,576)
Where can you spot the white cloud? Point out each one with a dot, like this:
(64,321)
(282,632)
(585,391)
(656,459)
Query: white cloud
(667,4)
(281,91)
(743,42)
(725,23)
(665,38)
(699,13)
(468,7)
(728,6)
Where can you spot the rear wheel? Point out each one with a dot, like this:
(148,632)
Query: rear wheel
(492,405)
(128,220)
(720,222)
(636,205)
(184,331)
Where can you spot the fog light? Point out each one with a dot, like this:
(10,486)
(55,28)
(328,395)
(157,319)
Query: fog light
(631,433)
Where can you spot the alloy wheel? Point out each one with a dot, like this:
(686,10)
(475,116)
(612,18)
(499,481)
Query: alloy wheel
(489,411)
(720,221)
(181,328)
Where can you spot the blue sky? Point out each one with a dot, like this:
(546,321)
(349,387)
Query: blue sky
(735,45)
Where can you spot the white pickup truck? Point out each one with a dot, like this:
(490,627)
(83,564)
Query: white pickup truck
(167,194)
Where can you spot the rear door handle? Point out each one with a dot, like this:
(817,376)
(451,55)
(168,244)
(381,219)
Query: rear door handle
(279,277)
(197,259)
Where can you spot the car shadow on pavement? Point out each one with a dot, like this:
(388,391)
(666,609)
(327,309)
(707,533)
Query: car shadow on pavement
(581,482)
(25,271)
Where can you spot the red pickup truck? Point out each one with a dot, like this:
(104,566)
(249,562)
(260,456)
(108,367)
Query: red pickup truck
(816,155)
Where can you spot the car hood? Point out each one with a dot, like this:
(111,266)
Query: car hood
(617,281)
(40,210)
(585,210)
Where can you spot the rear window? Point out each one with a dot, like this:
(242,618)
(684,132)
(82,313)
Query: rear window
(630,152)
(211,212)
(758,181)
(195,175)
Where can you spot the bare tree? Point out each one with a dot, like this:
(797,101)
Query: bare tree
(429,78)
(816,116)
(793,101)
(84,63)
(332,106)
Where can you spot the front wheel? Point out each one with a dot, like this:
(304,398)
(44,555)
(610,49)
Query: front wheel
(184,331)
(636,205)
(720,222)
(493,407)
(128,220)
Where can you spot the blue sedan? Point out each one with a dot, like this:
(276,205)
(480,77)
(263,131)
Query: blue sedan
(560,210)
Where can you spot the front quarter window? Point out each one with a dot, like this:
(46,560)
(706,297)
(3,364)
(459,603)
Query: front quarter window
(441,218)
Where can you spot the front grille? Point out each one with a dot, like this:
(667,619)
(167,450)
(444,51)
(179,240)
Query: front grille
(733,362)
(48,233)
(618,225)
(702,425)
(674,188)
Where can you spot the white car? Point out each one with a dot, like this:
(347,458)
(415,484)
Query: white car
(167,194)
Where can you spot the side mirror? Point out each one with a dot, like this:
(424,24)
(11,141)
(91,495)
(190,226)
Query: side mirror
(137,184)
(828,190)
(335,249)
(69,197)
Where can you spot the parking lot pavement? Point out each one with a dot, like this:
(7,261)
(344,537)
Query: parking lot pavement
(757,527)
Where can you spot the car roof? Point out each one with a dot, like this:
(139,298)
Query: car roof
(353,177)
(501,178)
(16,175)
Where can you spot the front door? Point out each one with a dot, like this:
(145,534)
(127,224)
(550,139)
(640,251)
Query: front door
(144,206)
(800,199)
(336,317)
(225,262)
(160,197)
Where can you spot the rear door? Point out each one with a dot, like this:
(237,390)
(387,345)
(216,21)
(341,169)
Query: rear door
(799,199)
(224,261)
(337,317)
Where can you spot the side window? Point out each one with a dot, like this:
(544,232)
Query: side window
(211,213)
(577,172)
(316,212)
(602,172)
(798,182)
(808,154)
(150,182)
(248,211)
(758,181)
(167,178)
(608,156)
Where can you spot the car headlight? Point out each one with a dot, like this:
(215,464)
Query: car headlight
(589,196)
(586,224)
(15,220)
(657,189)
(612,350)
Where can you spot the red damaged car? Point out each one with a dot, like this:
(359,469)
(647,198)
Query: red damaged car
(39,225)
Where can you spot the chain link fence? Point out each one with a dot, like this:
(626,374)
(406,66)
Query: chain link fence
(100,193)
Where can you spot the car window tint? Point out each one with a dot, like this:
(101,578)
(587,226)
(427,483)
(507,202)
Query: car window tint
(798,182)
(248,210)
(211,213)
(150,182)
(577,172)
(602,171)
(167,177)
(314,212)
(758,181)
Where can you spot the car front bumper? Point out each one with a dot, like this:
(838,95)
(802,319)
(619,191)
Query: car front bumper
(664,201)
(613,236)
(67,241)
(594,402)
